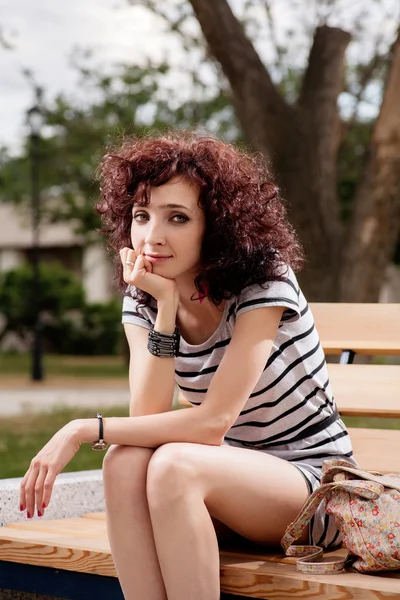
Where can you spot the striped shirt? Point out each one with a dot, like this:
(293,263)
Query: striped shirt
(291,412)
(293,392)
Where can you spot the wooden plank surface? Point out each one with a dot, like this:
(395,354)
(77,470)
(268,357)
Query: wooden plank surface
(97,515)
(366,390)
(364,328)
(60,551)
(376,449)
(254,573)
(84,528)
(257,578)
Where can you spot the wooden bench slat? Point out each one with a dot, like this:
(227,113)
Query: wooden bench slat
(100,516)
(72,553)
(264,579)
(368,328)
(253,573)
(366,390)
(376,449)
(85,528)
(97,515)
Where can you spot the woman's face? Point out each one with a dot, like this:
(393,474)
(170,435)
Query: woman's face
(169,230)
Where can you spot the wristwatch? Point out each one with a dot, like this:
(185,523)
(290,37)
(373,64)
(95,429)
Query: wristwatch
(100,444)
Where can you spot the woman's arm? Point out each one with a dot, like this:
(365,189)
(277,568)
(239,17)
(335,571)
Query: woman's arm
(151,378)
(231,386)
(151,431)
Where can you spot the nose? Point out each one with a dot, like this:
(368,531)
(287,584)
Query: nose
(155,233)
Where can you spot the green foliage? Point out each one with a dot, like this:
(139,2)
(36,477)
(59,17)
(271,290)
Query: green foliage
(127,101)
(60,291)
(69,324)
(96,330)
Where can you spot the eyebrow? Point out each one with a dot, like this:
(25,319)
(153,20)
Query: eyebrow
(170,206)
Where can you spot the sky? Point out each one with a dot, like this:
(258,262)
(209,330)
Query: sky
(45,33)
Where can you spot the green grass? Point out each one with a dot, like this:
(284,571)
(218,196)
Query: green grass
(372,422)
(22,436)
(60,365)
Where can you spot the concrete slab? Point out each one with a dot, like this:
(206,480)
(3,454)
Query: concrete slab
(73,494)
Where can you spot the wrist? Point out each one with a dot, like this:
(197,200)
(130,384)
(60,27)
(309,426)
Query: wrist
(84,431)
(169,301)
(166,316)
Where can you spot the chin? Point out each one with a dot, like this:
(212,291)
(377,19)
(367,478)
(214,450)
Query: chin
(163,272)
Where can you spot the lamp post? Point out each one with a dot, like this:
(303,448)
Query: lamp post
(35,122)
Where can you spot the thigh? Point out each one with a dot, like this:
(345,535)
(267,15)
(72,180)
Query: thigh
(253,493)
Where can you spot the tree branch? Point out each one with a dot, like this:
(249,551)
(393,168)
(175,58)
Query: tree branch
(374,227)
(260,106)
(322,84)
(274,37)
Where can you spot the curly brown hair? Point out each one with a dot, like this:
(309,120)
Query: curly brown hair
(247,236)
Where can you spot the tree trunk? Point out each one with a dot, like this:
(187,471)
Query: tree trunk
(370,242)
(300,141)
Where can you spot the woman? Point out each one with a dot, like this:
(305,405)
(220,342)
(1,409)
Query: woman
(213,304)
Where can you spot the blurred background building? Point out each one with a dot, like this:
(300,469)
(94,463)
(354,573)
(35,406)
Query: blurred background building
(58,243)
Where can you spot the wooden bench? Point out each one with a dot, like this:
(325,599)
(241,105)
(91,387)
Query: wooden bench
(70,558)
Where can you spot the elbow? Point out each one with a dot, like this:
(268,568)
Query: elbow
(214,430)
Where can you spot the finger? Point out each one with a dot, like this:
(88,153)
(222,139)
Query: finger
(139,262)
(147,264)
(139,269)
(122,254)
(22,490)
(129,265)
(48,487)
(30,491)
(39,490)
(131,256)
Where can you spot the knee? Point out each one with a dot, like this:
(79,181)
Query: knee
(123,465)
(170,475)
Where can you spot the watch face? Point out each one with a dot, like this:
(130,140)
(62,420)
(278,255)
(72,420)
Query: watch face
(99,446)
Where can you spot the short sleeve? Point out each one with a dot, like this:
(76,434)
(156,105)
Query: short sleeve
(284,292)
(135,315)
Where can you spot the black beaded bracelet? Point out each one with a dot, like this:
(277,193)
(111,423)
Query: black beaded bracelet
(163,345)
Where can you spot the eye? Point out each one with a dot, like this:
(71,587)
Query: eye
(183,218)
(137,216)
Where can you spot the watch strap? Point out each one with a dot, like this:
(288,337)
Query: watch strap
(101,429)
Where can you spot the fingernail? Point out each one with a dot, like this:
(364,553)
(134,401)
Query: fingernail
(39,513)
(21,507)
(28,515)
(43,505)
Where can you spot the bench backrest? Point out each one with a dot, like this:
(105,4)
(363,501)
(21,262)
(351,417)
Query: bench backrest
(363,328)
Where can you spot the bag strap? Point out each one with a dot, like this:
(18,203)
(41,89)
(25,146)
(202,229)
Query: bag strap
(310,560)
(385,480)
(311,556)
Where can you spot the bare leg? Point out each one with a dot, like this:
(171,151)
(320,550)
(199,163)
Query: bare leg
(254,494)
(128,523)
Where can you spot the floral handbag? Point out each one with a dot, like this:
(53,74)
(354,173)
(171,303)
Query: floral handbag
(366,508)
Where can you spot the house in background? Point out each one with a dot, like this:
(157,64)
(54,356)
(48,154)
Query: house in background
(58,243)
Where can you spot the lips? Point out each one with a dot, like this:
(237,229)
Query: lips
(157,256)
(156,259)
